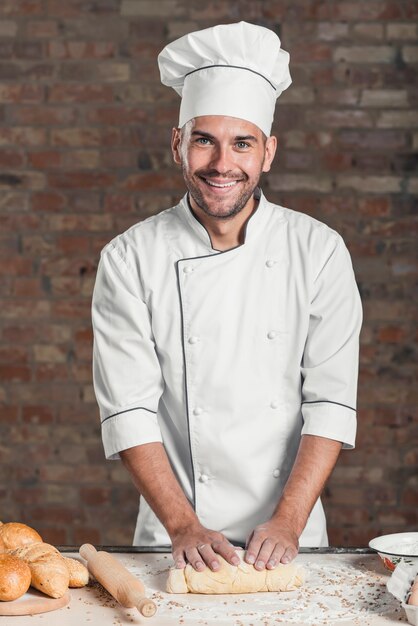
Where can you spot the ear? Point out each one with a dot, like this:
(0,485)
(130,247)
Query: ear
(269,152)
(175,145)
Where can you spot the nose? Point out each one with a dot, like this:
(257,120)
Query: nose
(222,160)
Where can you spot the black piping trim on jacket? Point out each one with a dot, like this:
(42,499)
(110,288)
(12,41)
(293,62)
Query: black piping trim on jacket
(185,386)
(136,408)
(236,67)
(330,402)
(257,196)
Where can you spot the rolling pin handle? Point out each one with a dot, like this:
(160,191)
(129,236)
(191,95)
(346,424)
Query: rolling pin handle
(146,607)
(87,551)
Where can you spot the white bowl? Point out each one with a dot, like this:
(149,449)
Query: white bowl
(395,548)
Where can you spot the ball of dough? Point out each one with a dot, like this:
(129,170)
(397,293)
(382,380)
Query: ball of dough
(15,577)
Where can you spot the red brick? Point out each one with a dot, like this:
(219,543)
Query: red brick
(81,93)
(119,203)
(42,29)
(72,244)
(44,115)
(86,535)
(374,207)
(81,50)
(48,372)
(24,136)
(391,334)
(46,159)
(27,287)
(48,201)
(21,7)
(81,9)
(153,181)
(13,354)
(114,115)
(54,536)
(95,496)
(81,180)
(15,266)
(15,373)
(372,10)
(11,159)
(311,52)
(16,93)
(37,414)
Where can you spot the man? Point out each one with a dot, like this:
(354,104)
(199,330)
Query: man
(226,328)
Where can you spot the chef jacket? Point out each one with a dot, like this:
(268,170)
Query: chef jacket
(226,357)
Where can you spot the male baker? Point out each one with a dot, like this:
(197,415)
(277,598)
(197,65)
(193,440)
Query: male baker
(226,328)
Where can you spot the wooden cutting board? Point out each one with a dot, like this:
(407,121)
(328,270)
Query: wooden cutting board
(33,602)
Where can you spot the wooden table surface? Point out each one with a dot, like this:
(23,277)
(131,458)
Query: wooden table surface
(342,587)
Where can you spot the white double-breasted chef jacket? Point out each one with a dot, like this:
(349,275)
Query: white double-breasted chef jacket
(226,357)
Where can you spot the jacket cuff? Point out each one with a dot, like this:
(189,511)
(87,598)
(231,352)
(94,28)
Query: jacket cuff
(129,428)
(330,420)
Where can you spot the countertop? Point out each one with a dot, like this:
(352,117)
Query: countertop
(343,586)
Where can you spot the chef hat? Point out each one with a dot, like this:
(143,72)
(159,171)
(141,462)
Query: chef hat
(232,69)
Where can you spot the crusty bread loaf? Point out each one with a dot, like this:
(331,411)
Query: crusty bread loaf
(48,569)
(15,577)
(14,535)
(79,574)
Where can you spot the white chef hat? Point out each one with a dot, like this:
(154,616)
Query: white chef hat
(237,70)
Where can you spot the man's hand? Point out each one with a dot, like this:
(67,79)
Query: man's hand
(199,546)
(271,543)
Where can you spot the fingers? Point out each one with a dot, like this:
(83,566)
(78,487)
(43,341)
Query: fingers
(289,554)
(227,551)
(205,554)
(178,558)
(195,559)
(264,551)
(253,548)
(209,556)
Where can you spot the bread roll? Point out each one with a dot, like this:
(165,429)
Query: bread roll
(48,569)
(15,577)
(79,574)
(14,535)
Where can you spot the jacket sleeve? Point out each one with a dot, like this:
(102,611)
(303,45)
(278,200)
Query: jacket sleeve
(126,372)
(330,359)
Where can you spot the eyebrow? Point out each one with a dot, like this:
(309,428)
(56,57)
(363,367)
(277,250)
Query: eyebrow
(201,133)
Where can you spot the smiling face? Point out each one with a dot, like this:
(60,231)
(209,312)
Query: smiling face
(222,159)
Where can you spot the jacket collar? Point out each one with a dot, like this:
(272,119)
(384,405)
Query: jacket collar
(255,224)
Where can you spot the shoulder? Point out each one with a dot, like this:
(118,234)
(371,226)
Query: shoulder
(142,237)
(307,231)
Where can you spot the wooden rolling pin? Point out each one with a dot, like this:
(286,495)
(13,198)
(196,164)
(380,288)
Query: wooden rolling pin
(120,583)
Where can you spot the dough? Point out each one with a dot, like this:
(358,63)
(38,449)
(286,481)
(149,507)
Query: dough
(243,578)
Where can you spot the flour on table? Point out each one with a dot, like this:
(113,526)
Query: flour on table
(332,593)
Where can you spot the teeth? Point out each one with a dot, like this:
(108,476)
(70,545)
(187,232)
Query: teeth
(212,184)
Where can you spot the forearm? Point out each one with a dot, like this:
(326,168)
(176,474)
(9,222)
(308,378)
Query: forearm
(314,463)
(277,540)
(154,479)
(152,475)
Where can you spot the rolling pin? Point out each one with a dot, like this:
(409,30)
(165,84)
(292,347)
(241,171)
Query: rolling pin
(120,583)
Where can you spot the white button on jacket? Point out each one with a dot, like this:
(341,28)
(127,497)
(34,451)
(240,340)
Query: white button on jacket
(167,341)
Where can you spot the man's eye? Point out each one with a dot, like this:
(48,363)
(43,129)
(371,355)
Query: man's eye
(242,145)
(203,140)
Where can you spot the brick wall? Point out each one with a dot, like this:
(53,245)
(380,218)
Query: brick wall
(84,153)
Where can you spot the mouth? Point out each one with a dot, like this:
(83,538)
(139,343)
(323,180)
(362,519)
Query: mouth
(222,185)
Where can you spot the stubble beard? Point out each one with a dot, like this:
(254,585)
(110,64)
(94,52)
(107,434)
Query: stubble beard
(239,203)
